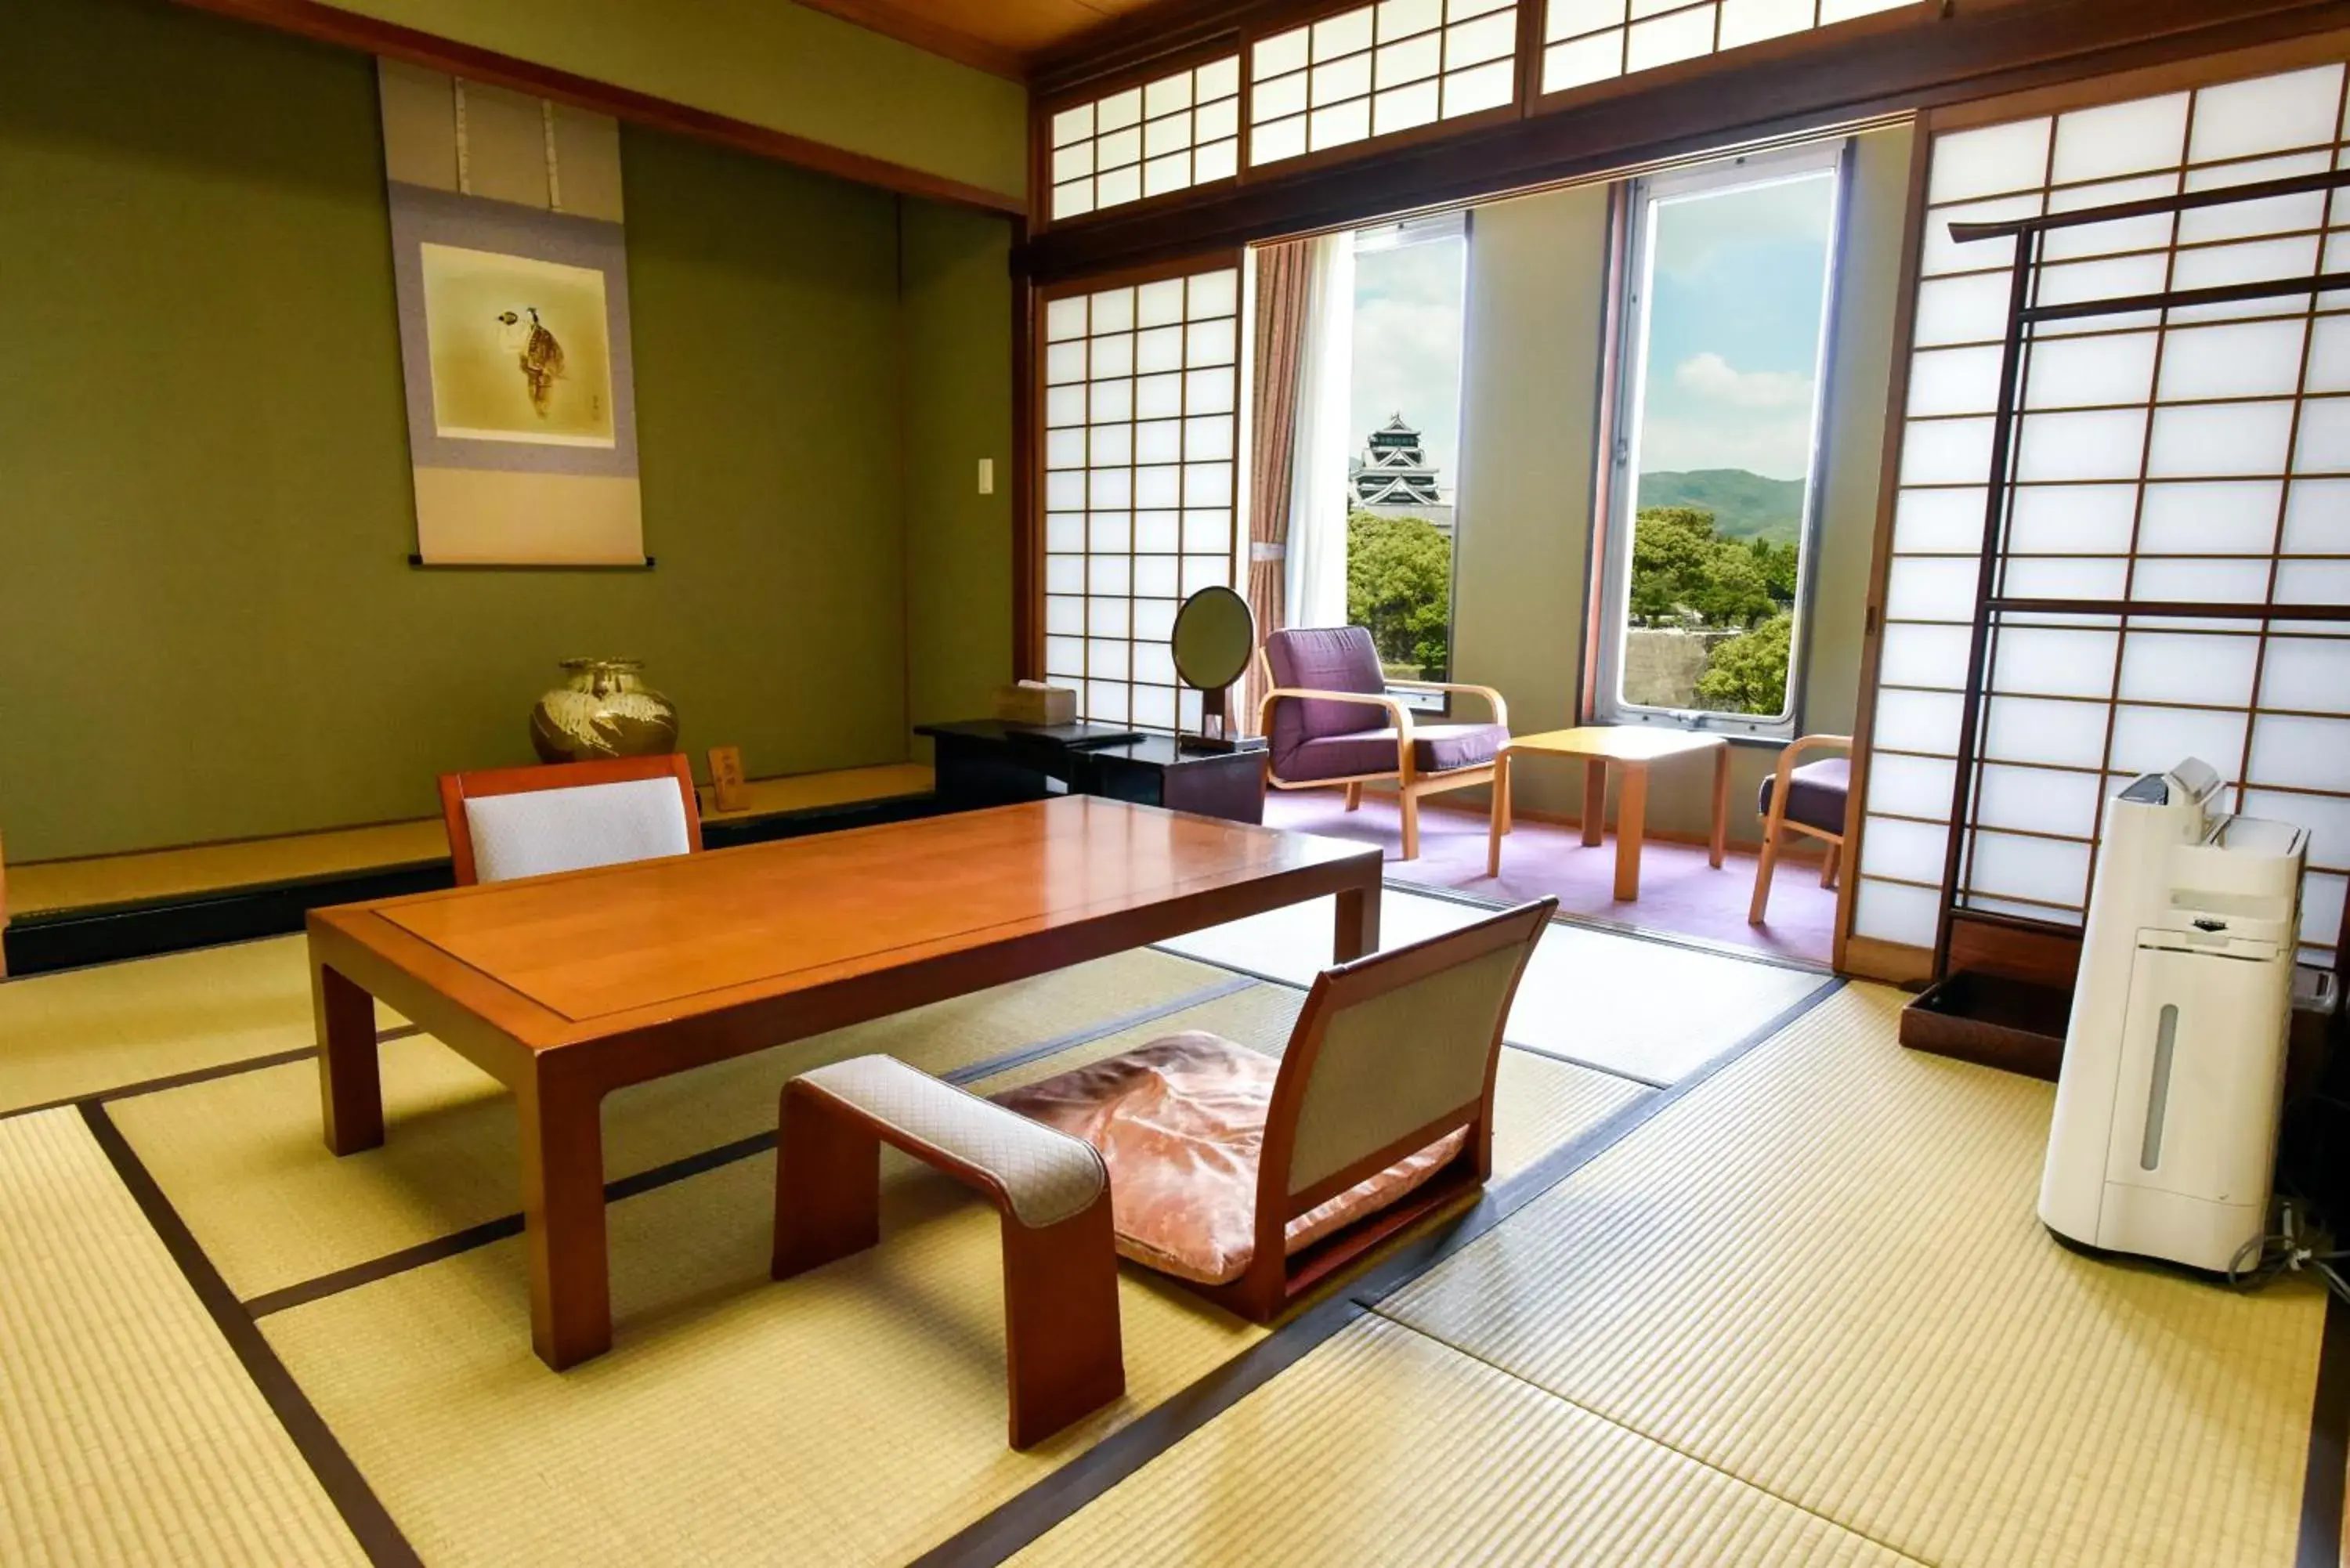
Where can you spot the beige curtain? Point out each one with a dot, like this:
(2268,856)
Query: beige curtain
(1284,273)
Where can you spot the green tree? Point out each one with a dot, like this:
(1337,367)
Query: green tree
(1683,569)
(1399,585)
(1748,674)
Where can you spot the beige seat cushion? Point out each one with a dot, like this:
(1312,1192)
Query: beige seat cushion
(1180,1122)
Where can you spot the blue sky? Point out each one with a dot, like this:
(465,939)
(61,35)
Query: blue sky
(1408,304)
(1735,326)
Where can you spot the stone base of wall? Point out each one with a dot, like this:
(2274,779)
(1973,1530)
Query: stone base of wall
(1661,665)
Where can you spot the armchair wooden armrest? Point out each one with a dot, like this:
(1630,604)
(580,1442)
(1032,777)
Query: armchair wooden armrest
(1492,699)
(1797,748)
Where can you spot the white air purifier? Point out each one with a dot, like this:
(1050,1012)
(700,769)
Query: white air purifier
(2164,1141)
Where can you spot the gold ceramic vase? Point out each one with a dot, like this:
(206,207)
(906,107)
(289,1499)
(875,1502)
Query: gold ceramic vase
(603,709)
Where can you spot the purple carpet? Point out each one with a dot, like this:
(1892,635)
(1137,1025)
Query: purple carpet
(1679,891)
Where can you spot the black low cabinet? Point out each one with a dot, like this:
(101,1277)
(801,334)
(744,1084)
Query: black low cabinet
(987,761)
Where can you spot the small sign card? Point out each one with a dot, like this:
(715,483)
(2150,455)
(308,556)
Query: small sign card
(726,791)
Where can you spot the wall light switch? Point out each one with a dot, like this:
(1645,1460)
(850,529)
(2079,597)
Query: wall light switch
(987,476)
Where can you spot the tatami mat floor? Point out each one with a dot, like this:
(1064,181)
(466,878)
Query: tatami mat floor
(1794,1309)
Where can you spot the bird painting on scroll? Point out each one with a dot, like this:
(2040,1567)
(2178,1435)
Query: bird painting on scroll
(520,349)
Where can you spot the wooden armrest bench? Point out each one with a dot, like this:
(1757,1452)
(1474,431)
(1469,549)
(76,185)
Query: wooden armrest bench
(1060,1254)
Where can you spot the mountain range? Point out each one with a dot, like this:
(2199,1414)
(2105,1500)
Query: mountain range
(1744,506)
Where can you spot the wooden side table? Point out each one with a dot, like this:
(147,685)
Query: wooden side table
(1630,749)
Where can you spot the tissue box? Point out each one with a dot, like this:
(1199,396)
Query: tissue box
(1031,703)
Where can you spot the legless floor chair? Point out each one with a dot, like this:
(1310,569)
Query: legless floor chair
(567,817)
(1253,1180)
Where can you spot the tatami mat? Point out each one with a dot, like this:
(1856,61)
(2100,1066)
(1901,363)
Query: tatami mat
(1822,1273)
(857,1415)
(1383,1447)
(129,1432)
(241,1158)
(82,1032)
(1647,1010)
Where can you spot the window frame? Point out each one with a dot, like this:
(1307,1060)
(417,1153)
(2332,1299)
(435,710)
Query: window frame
(1625,392)
(1461,222)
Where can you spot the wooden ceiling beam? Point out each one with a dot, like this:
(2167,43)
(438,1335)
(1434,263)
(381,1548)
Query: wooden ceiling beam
(326,25)
(927,32)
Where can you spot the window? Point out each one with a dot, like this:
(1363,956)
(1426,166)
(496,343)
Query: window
(1377,70)
(1170,134)
(1141,427)
(1410,283)
(1714,485)
(2201,457)
(1586,41)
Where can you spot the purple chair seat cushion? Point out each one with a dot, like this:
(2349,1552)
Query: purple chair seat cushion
(1816,793)
(1435,749)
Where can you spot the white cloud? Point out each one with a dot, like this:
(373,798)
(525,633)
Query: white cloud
(1710,375)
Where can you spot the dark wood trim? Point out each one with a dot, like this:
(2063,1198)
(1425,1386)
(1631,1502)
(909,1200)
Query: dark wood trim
(2323,1478)
(326,25)
(1028,469)
(1834,81)
(934,37)
(2256,59)
(1134,44)
(363,1513)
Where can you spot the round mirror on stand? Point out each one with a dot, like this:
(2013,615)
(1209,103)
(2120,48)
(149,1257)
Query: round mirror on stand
(1214,637)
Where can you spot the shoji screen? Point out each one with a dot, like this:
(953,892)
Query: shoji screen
(2203,458)
(1141,432)
(1170,134)
(1378,70)
(1586,41)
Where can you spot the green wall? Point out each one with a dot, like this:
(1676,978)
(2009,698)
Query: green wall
(957,323)
(208,626)
(769,62)
(1530,398)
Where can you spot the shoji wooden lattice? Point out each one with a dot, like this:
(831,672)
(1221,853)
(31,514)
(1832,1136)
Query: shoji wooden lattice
(2192,455)
(1168,134)
(1377,70)
(1141,418)
(1586,41)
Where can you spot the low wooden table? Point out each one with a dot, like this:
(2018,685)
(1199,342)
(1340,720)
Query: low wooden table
(566,988)
(1630,749)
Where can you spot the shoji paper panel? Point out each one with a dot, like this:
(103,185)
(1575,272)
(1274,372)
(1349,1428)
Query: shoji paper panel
(1586,41)
(2202,458)
(1378,70)
(1141,430)
(1170,134)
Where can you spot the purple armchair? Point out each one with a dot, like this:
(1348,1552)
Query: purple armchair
(1331,721)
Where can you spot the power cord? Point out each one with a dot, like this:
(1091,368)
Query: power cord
(2266,1258)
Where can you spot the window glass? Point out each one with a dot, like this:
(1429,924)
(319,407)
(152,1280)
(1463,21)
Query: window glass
(1718,414)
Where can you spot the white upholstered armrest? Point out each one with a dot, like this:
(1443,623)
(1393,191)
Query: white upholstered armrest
(1045,1176)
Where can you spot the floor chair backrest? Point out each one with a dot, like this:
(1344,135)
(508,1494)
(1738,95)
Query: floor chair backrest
(530,822)
(1392,1053)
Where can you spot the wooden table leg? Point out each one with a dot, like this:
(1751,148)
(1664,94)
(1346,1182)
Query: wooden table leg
(1720,804)
(563,1216)
(1358,924)
(350,1078)
(1498,817)
(1631,814)
(1595,801)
